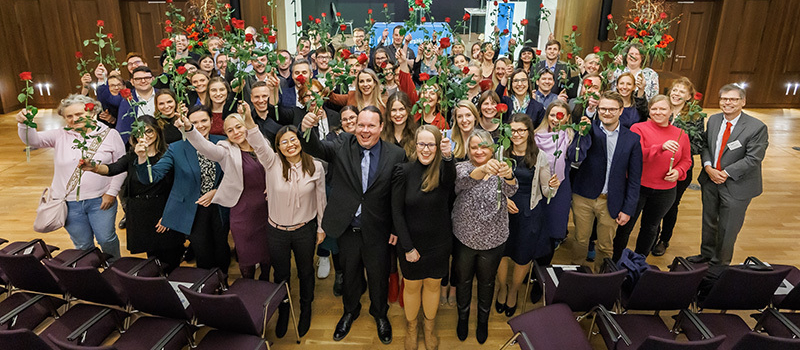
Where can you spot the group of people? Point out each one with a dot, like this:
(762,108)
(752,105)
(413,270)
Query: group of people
(366,185)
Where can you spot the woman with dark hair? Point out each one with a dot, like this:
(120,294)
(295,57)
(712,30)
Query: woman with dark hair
(206,65)
(633,60)
(146,201)
(526,239)
(221,101)
(397,127)
(423,188)
(521,98)
(634,102)
(487,106)
(525,61)
(166,111)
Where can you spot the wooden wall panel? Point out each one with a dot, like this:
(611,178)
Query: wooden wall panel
(747,34)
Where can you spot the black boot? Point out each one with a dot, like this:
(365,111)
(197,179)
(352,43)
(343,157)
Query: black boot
(305,319)
(283,319)
(482,332)
(462,330)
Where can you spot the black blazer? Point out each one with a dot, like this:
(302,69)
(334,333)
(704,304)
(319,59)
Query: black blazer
(344,157)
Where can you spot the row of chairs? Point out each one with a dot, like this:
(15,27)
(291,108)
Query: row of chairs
(627,316)
(89,299)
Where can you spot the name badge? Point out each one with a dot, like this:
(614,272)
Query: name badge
(734,145)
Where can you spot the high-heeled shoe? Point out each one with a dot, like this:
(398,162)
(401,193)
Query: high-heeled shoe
(511,310)
(500,308)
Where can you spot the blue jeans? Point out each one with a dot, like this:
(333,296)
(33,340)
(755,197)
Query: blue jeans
(86,222)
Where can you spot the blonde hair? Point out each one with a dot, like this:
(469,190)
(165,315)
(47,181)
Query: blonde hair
(460,150)
(375,98)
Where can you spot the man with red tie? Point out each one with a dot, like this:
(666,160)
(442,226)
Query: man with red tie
(731,178)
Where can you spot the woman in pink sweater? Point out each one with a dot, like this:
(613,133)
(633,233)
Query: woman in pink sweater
(666,157)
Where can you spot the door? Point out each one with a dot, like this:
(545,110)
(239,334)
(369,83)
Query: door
(144,28)
(693,35)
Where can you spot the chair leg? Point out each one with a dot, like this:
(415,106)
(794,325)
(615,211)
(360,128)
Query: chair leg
(294,319)
(510,341)
(526,296)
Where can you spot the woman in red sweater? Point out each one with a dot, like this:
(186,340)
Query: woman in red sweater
(666,157)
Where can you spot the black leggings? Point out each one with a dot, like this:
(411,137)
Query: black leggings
(652,206)
(668,223)
(470,263)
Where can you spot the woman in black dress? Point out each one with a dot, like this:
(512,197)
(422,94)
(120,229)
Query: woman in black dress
(146,202)
(424,188)
(167,110)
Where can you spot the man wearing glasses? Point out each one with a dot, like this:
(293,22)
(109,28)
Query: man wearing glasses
(322,61)
(731,178)
(615,151)
(142,77)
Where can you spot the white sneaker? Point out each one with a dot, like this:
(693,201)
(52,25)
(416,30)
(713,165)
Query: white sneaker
(324,264)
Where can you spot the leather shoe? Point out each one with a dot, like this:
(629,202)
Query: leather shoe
(660,248)
(384,329)
(305,321)
(343,327)
(511,310)
(122,222)
(698,259)
(283,319)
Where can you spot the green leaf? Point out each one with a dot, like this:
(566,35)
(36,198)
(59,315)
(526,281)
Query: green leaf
(163,79)
(101,43)
(86,42)
(21,98)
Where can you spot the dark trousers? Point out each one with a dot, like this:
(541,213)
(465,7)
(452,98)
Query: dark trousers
(470,263)
(668,223)
(302,242)
(723,217)
(209,239)
(652,206)
(355,256)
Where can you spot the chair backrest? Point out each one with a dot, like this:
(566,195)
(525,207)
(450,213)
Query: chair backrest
(224,312)
(153,295)
(550,327)
(27,272)
(62,345)
(583,291)
(743,289)
(664,290)
(21,339)
(655,343)
(791,300)
(753,340)
(87,283)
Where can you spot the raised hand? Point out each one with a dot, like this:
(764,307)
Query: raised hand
(309,121)
(183,122)
(447,149)
(100,72)
(86,80)
(141,151)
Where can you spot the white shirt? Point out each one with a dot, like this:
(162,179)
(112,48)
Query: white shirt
(611,146)
(720,134)
(148,108)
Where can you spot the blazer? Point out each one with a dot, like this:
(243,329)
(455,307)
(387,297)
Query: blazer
(288,97)
(535,110)
(181,157)
(343,155)
(743,164)
(625,177)
(125,124)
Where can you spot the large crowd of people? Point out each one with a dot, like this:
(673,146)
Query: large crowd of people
(377,191)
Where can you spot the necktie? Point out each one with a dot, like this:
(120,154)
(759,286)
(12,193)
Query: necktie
(365,171)
(722,145)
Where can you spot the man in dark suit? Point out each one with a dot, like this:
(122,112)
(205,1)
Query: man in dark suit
(288,97)
(559,69)
(610,198)
(360,215)
(731,178)
(588,109)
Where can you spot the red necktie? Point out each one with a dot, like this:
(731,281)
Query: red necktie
(725,137)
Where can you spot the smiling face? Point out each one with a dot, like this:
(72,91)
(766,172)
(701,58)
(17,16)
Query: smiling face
(134,62)
(259,65)
(398,113)
(222,63)
(181,42)
(431,95)
(368,128)
(519,84)
(476,51)
(200,83)
(609,112)
(217,92)
(551,52)
(592,66)
(397,38)
(301,69)
(426,147)
(150,136)
(526,56)
(458,49)
(358,37)
(460,61)
(366,84)
(465,120)
(634,58)
(545,82)
(289,145)
(235,130)
(488,109)
(660,112)
(72,114)
(500,69)
(207,64)
(349,121)
(519,133)
(201,121)
(553,118)
(478,154)
(323,59)
(115,85)
(166,105)
(141,82)
(731,103)
(488,53)
(625,85)
(260,98)
(380,57)
(679,94)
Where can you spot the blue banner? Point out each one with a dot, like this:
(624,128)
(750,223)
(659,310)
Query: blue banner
(417,36)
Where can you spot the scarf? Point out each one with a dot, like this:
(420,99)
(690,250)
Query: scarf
(544,141)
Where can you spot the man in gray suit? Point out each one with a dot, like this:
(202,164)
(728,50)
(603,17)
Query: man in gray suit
(731,178)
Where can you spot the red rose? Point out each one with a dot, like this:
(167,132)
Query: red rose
(419,3)
(610,17)
(385,5)
(698,96)
(505,31)
(587,82)
(424,76)
(410,9)
(369,11)
(272,39)
(663,15)
(299,24)
(541,6)
(78,54)
(465,70)
(560,115)
(630,32)
(362,58)
(265,30)
(596,49)
(502,108)
(181,70)
(228,27)
(264,20)
(538,52)
(466,17)
(237,23)
(227,6)
(25,76)
(310,18)
(372,20)
(100,23)
(199,44)
(248,37)
(643,33)
(495,3)
(168,29)
(444,42)
(111,35)
(574,28)
(569,55)
(300,79)
(524,21)
(317,20)
(505,0)
(169,1)
(447,19)
(485,84)
(189,47)
(165,43)
(345,53)
(168,22)
(88,107)
(126,93)
(635,19)
(384,64)
(323,14)
(342,27)
(422,19)
(338,14)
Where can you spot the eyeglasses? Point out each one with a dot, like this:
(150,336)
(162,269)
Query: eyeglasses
(608,110)
(116,85)
(324,58)
(423,145)
(729,99)
(149,132)
(290,140)
(142,79)
(519,81)
(519,131)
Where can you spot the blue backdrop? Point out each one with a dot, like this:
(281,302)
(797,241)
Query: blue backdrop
(417,36)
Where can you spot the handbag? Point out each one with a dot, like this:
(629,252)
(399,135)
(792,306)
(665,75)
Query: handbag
(51,214)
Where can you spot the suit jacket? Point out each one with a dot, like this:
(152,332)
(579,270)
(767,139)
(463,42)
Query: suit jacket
(743,164)
(344,157)
(535,110)
(560,66)
(288,97)
(625,177)
(181,158)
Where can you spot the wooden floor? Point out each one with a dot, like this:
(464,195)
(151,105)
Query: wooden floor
(771,232)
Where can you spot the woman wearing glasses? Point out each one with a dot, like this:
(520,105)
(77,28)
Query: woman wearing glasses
(521,98)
